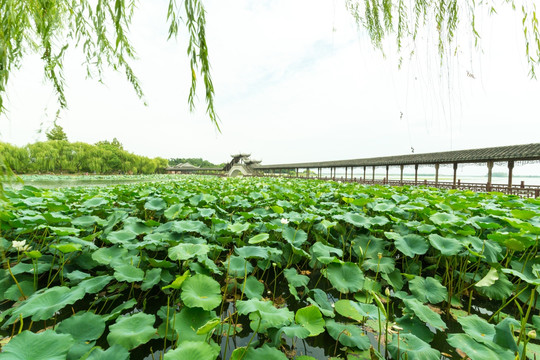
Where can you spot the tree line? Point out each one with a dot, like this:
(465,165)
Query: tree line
(61,156)
(193,161)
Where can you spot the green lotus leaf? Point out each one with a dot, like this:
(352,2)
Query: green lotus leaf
(445,219)
(136,226)
(477,328)
(383,265)
(295,280)
(155,204)
(253,288)
(115,352)
(121,236)
(368,246)
(132,331)
(44,303)
(400,198)
(238,228)
(357,311)
(193,350)
(411,245)
(259,238)
(186,251)
(446,245)
(83,326)
(394,279)
(348,334)
(194,226)
(128,273)
(174,211)
(108,255)
(322,253)
(428,290)
(424,313)
(94,284)
(294,237)
(201,291)
(426,228)
(47,345)
(85,221)
(320,299)
(64,231)
(208,326)
(412,325)
(259,252)
(66,248)
(357,220)
(152,277)
(117,311)
(476,350)
(237,266)
(311,318)
(523,214)
(56,217)
(14,293)
(177,283)
(269,315)
(293,331)
(95,202)
(346,277)
(264,352)
(499,290)
(409,346)
(188,321)
(197,199)
(489,279)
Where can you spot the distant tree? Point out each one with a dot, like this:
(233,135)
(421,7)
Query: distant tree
(193,161)
(56,133)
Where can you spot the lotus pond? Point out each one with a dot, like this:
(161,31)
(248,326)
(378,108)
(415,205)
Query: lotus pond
(256,268)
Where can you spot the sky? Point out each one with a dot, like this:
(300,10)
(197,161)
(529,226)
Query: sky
(295,81)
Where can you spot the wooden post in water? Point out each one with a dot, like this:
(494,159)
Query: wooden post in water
(296,172)
(373,177)
(510,170)
(490,174)
(455,175)
(401,176)
(387,168)
(352,178)
(364,173)
(415,174)
(436,174)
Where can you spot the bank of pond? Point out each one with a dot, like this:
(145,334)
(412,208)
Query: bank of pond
(259,268)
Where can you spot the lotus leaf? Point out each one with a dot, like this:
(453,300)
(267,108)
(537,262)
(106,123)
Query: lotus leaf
(424,313)
(357,220)
(264,352)
(428,290)
(411,347)
(85,221)
(94,202)
(95,284)
(85,326)
(184,251)
(411,245)
(357,311)
(237,266)
(128,273)
(294,237)
(311,318)
(44,303)
(322,253)
(155,204)
(108,255)
(476,350)
(152,277)
(177,283)
(208,326)
(499,290)
(201,291)
(115,352)
(264,311)
(446,245)
(320,299)
(293,331)
(253,288)
(477,328)
(260,252)
(47,345)
(193,350)
(346,277)
(412,325)
(132,331)
(238,228)
(383,265)
(295,280)
(188,321)
(445,219)
(348,334)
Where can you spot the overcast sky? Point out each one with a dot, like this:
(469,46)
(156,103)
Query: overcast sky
(295,81)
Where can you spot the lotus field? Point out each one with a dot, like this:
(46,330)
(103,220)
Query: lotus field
(256,268)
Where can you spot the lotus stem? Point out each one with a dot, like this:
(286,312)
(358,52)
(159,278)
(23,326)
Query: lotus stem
(251,339)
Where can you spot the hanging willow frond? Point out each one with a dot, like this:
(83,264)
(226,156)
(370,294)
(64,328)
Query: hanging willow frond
(99,28)
(377,17)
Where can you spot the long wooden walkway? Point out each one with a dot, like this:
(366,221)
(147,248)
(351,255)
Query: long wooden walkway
(509,155)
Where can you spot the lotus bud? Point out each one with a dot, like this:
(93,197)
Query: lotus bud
(532,334)
(379,255)
(387,292)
